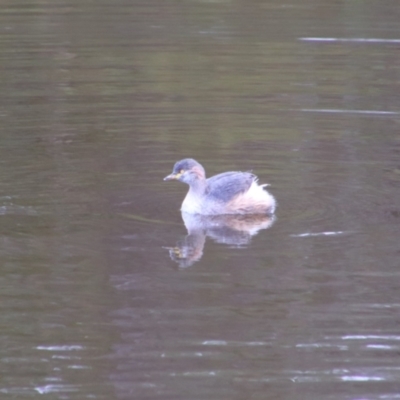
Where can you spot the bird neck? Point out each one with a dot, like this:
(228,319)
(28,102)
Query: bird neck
(198,186)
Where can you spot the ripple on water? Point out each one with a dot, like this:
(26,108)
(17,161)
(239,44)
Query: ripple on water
(314,215)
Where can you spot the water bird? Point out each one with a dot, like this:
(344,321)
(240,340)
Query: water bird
(232,192)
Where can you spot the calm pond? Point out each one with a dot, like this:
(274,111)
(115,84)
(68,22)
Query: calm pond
(107,292)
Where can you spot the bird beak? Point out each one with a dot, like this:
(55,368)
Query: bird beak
(172,177)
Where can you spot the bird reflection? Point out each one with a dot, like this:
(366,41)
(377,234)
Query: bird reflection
(232,230)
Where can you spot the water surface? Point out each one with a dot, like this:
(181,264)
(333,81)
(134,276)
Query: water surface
(106,293)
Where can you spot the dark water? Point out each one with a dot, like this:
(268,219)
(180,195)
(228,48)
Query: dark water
(105,294)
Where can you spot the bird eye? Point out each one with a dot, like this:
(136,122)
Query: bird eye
(181,171)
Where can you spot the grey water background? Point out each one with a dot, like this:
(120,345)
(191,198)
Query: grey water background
(99,99)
